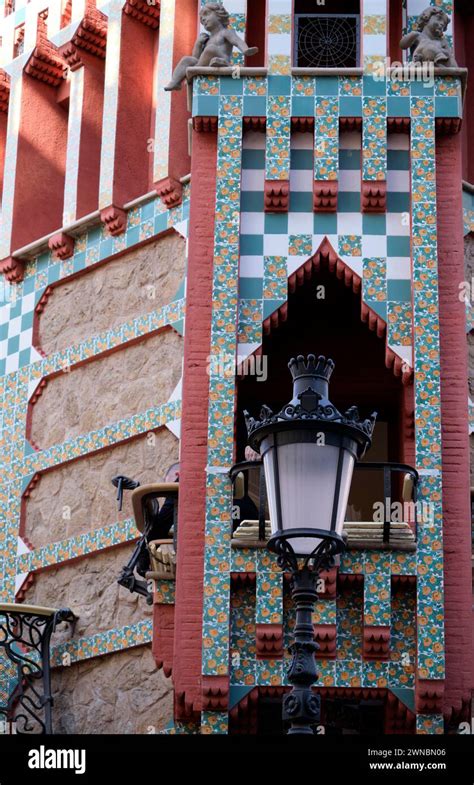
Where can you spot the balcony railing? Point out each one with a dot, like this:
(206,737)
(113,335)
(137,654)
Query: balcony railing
(382,512)
(25,636)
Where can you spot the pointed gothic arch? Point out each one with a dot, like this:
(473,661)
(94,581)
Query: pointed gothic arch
(326,258)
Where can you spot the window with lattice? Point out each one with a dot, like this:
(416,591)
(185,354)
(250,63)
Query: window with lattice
(326,34)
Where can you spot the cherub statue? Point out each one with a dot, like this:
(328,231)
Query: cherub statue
(429,44)
(213,48)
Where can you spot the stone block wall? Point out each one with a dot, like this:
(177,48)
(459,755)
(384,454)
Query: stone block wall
(122,690)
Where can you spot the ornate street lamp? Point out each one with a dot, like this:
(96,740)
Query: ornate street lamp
(309,450)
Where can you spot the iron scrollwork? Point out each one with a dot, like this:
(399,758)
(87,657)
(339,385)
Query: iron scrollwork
(309,408)
(301,707)
(25,638)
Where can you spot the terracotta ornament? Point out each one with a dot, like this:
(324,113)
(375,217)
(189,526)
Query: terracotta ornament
(428,44)
(212,48)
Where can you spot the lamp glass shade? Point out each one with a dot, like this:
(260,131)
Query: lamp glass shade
(308,484)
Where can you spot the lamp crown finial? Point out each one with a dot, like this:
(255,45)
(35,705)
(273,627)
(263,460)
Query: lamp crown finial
(312,365)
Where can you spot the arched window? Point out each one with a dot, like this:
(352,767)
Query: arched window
(327,34)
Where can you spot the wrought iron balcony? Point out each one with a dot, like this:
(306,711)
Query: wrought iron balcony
(25,636)
(382,512)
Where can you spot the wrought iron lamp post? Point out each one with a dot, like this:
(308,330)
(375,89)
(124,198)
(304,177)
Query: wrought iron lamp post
(309,450)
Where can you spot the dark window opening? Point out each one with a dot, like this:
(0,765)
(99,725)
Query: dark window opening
(269,716)
(344,717)
(395,30)
(255,34)
(327,35)
(339,717)
(332,326)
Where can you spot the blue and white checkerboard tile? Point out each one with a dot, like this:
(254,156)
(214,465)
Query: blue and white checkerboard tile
(18,302)
(363,242)
(16,333)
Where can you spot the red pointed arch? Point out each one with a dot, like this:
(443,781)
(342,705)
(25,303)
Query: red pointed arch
(327,258)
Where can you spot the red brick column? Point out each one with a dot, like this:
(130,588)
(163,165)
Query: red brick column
(455,440)
(192,495)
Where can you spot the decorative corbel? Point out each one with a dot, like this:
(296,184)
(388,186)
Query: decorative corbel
(374,196)
(325,196)
(269,639)
(376,643)
(61,245)
(114,220)
(277,196)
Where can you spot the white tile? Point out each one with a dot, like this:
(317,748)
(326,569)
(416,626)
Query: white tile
(252,223)
(3,350)
(182,228)
(405,352)
(175,428)
(251,267)
(354,262)
(279,44)
(397,224)
(398,268)
(398,180)
(22,547)
(253,141)
(25,339)
(11,363)
(34,356)
(376,7)
(374,246)
(279,7)
(19,581)
(294,262)
(253,180)
(349,180)
(415,7)
(275,245)
(375,45)
(28,303)
(244,350)
(318,239)
(32,387)
(236,6)
(177,393)
(301,180)
(14,326)
(349,223)
(300,223)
